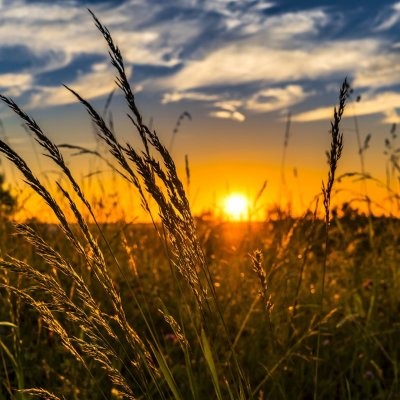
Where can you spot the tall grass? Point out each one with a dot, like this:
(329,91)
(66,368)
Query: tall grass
(333,157)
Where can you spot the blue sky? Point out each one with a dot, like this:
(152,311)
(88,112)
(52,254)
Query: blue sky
(237,66)
(234,58)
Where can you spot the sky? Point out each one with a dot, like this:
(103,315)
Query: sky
(237,67)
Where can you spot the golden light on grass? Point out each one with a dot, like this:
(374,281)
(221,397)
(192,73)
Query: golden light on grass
(236,207)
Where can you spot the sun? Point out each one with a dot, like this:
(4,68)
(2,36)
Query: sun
(236,207)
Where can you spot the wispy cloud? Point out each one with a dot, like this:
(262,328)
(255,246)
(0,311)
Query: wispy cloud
(392,117)
(228,109)
(67,29)
(87,84)
(59,33)
(237,16)
(385,103)
(174,97)
(277,98)
(14,84)
(381,70)
(227,114)
(389,18)
(250,62)
(263,101)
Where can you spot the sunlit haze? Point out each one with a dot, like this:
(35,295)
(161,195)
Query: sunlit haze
(236,207)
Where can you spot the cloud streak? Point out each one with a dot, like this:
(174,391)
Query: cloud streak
(227,114)
(273,99)
(390,18)
(385,103)
(15,84)
(174,97)
(247,62)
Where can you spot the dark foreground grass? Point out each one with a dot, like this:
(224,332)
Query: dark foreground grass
(191,308)
(359,343)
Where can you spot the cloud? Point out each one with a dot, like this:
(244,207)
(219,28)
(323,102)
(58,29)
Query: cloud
(229,105)
(292,25)
(384,103)
(10,80)
(273,49)
(392,117)
(390,18)
(249,17)
(228,109)
(225,114)
(66,29)
(174,97)
(380,71)
(276,98)
(241,17)
(287,48)
(265,100)
(87,85)
(14,84)
(61,32)
(246,62)
(21,10)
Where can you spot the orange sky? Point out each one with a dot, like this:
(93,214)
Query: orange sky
(234,161)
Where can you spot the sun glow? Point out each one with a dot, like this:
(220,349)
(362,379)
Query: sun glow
(236,207)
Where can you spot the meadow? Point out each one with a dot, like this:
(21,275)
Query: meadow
(191,307)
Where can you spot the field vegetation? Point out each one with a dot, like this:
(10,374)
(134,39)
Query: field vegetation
(193,307)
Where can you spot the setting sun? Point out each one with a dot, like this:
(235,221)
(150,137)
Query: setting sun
(236,207)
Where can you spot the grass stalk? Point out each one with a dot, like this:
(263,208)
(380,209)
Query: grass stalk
(333,157)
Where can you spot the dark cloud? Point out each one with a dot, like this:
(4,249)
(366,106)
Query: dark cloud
(17,58)
(82,64)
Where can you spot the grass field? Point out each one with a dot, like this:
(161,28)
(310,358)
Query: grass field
(194,307)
